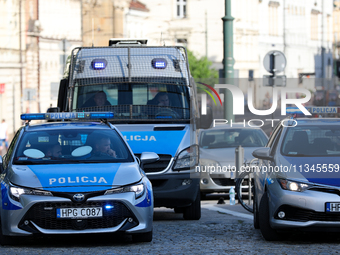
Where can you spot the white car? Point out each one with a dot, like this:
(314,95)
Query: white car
(217,154)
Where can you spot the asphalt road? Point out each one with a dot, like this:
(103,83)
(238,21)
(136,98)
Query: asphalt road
(222,229)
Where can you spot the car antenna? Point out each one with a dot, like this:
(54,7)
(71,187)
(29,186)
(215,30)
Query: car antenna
(162,39)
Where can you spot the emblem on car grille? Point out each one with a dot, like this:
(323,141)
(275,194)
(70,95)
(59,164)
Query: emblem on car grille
(78,197)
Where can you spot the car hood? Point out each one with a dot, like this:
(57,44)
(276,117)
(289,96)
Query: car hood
(75,177)
(298,169)
(226,156)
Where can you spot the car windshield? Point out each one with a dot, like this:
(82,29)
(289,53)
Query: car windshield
(70,146)
(312,141)
(227,138)
(134,102)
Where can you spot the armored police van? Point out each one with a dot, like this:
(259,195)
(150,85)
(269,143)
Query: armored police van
(153,97)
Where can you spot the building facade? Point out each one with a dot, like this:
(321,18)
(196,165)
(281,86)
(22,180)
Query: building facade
(12,59)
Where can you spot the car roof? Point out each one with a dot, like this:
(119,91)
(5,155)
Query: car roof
(66,125)
(233,126)
(318,121)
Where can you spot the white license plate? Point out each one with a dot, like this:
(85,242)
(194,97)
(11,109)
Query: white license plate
(332,207)
(76,213)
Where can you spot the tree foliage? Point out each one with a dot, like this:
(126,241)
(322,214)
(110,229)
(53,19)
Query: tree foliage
(201,68)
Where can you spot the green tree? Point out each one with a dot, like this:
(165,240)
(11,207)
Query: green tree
(201,68)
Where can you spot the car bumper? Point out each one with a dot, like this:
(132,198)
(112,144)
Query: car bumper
(216,182)
(38,216)
(302,209)
(173,190)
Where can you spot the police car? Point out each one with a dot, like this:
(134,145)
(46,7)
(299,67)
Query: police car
(71,177)
(297,184)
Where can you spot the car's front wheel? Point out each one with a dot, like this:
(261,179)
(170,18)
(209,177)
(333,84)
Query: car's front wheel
(256,213)
(5,240)
(267,231)
(142,237)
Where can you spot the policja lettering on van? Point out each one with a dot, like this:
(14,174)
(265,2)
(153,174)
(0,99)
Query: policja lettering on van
(77,179)
(139,138)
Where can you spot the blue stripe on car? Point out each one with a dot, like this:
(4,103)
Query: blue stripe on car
(76,177)
(6,202)
(161,142)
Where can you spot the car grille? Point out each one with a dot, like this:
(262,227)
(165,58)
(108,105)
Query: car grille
(47,218)
(298,214)
(159,165)
(224,181)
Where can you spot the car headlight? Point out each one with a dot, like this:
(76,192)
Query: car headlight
(187,158)
(293,185)
(208,165)
(139,190)
(16,192)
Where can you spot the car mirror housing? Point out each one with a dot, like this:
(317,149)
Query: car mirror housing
(263,153)
(1,166)
(148,157)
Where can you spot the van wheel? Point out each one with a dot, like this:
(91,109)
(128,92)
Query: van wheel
(203,196)
(267,231)
(179,209)
(193,212)
(142,237)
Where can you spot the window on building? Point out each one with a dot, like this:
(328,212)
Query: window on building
(181,8)
(181,42)
(314,25)
(273,14)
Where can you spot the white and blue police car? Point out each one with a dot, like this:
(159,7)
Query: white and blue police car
(72,177)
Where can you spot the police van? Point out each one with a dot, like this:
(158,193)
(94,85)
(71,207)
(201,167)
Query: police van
(153,97)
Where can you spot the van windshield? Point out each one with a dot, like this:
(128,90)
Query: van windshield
(147,102)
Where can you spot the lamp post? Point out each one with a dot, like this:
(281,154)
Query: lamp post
(228,61)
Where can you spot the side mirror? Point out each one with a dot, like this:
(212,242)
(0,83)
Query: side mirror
(263,153)
(1,166)
(148,157)
(53,109)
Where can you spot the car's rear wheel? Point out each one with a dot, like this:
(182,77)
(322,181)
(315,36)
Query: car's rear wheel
(267,231)
(193,212)
(142,237)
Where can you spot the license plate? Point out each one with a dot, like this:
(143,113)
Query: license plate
(332,207)
(76,213)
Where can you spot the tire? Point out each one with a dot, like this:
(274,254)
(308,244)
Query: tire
(142,237)
(193,212)
(5,240)
(267,231)
(179,209)
(256,220)
(238,189)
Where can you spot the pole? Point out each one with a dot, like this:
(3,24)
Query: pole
(20,60)
(322,48)
(228,61)
(284,27)
(64,55)
(38,59)
(206,35)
